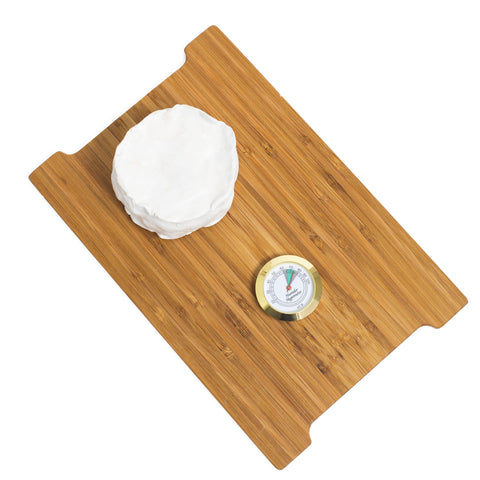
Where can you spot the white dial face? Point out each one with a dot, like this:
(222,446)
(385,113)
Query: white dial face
(289,287)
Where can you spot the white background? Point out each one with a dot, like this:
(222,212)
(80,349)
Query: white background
(88,389)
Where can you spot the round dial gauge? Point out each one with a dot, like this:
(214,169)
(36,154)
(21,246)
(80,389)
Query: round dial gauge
(288,287)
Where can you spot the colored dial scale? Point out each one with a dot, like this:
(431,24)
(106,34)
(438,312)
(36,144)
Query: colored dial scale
(288,287)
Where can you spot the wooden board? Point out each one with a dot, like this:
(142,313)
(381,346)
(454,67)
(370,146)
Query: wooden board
(293,196)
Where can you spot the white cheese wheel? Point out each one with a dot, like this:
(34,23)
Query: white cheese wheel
(175,171)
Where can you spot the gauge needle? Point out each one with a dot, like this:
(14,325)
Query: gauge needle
(289,279)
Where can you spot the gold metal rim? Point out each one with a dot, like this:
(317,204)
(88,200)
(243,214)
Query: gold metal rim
(289,317)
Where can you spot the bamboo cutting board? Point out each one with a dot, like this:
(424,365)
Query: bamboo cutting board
(293,196)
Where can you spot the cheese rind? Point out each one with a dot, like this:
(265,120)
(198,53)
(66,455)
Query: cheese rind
(175,171)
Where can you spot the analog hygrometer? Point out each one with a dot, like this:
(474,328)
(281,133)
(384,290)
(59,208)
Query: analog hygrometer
(288,287)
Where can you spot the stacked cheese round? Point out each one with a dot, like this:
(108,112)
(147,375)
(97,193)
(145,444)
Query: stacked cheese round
(175,171)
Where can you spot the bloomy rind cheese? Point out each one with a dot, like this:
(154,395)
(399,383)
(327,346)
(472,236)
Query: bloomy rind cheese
(142,151)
